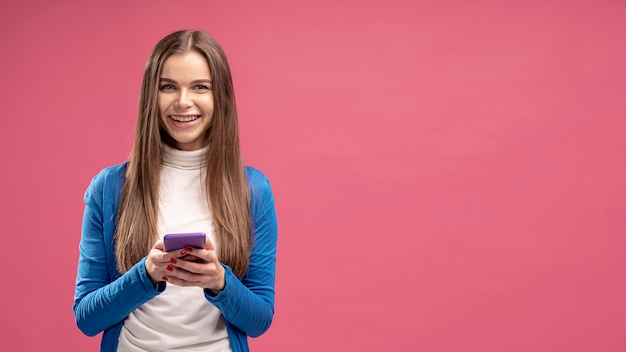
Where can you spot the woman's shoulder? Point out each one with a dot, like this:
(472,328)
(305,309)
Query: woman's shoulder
(261,194)
(255,175)
(112,173)
(111,176)
(258,183)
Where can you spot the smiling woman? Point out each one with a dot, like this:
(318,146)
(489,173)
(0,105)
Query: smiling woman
(185,174)
(186,100)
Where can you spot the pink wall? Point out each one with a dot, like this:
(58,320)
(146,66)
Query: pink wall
(448,176)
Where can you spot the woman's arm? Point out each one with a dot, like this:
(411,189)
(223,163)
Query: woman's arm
(103,298)
(248,304)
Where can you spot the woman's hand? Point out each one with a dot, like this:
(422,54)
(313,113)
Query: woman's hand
(195,267)
(157,262)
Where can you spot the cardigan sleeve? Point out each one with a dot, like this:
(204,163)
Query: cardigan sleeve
(103,298)
(248,303)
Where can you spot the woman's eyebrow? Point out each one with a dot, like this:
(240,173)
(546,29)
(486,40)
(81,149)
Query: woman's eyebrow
(205,81)
(165,79)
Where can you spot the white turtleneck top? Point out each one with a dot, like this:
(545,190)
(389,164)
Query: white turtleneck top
(180,318)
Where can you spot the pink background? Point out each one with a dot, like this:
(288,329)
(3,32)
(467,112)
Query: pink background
(449,177)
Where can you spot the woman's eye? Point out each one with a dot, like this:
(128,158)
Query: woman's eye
(167,87)
(201,87)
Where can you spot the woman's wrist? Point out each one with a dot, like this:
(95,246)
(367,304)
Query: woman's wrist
(216,291)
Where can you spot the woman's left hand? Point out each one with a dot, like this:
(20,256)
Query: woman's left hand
(200,267)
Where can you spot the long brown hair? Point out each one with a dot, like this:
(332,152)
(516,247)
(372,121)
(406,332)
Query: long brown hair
(225,183)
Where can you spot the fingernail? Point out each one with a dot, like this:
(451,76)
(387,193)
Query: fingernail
(173,261)
(184,251)
(169,268)
(164,278)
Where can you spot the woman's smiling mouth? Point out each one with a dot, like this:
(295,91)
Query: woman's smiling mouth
(184,118)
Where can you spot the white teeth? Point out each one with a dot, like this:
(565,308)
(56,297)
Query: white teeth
(184,118)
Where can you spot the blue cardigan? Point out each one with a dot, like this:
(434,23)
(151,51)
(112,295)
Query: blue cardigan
(104,297)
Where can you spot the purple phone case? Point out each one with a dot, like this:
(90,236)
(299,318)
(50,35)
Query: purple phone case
(174,241)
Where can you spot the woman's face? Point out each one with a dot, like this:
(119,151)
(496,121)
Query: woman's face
(185,100)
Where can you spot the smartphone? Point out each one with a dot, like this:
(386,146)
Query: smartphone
(174,241)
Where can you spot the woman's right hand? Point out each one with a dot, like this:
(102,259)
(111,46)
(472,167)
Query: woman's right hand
(157,263)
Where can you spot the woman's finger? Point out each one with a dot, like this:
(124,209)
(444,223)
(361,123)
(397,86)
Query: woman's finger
(208,255)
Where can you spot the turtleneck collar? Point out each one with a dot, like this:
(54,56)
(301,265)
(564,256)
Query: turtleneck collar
(181,159)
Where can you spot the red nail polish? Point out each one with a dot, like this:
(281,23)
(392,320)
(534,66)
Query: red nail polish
(169,268)
(184,251)
(173,261)
(164,278)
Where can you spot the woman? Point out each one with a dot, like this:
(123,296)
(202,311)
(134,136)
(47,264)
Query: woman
(185,174)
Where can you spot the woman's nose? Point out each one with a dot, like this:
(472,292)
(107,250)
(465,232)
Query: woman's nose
(183,100)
